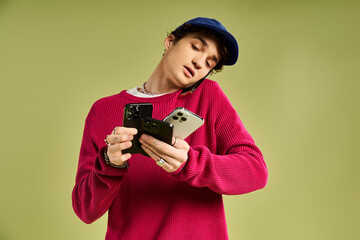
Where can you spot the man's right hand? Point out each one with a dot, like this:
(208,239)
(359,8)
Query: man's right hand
(120,139)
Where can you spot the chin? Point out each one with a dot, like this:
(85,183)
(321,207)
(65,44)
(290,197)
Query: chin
(186,85)
(185,82)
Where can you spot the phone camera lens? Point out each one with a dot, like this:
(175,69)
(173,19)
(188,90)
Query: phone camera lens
(129,115)
(137,111)
(183,119)
(179,113)
(147,125)
(175,117)
(154,126)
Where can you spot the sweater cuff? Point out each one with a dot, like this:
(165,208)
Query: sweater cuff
(187,170)
(101,167)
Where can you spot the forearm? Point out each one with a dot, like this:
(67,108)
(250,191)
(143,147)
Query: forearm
(96,189)
(240,171)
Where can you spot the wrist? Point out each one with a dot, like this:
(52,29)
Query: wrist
(107,160)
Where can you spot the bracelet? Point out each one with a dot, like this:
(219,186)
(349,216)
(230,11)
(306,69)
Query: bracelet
(107,160)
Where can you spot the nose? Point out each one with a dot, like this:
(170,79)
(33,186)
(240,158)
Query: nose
(196,63)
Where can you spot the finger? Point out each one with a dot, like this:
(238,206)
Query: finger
(156,148)
(112,139)
(150,152)
(171,159)
(117,147)
(166,165)
(119,160)
(156,145)
(181,144)
(125,130)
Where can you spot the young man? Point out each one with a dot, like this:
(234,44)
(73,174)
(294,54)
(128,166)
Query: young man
(177,193)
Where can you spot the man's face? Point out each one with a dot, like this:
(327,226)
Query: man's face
(190,59)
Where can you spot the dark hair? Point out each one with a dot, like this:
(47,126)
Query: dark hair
(189,28)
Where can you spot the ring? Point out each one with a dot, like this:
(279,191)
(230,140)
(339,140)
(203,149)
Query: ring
(160,162)
(174,142)
(105,140)
(114,130)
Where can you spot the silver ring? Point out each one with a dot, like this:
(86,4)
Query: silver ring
(105,140)
(174,142)
(160,162)
(114,130)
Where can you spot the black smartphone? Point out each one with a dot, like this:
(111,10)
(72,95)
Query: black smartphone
(157,129)
(133,114)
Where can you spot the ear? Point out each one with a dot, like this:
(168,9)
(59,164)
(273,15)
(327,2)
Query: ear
(169,41)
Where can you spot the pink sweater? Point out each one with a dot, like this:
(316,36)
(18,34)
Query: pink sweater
(144,201)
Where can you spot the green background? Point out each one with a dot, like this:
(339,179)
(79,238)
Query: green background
(295,86)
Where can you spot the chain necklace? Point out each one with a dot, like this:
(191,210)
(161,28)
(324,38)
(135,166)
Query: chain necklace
(144,91)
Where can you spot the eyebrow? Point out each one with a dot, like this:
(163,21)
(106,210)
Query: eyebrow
(206,45)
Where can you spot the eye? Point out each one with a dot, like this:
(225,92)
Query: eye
(207,64)
(194,47)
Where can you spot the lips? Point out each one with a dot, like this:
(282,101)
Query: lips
(189,71)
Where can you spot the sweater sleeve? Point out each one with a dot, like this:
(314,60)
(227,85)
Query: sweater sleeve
(237,167)
(96,182)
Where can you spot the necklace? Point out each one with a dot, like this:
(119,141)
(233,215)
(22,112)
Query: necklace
(144,91)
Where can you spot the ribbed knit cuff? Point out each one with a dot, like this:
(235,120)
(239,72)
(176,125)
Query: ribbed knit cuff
(187,170)
(101,167)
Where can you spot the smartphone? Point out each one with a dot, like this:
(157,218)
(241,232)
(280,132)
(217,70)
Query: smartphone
(185,122)
(133,114)
(157,129)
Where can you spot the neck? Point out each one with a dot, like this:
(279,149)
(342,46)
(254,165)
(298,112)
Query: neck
(159,82)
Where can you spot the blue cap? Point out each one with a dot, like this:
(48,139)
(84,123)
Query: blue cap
(216,26)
